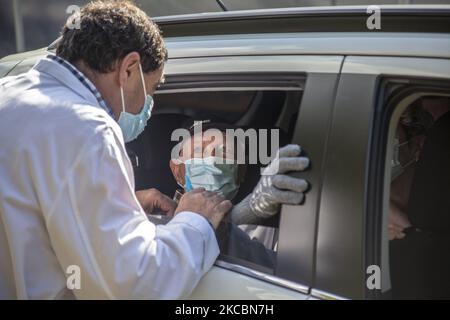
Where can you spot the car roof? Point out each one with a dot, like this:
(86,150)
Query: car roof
(394,18)
(316,10)
(412,31)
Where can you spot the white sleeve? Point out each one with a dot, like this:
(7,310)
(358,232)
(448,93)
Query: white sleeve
(97,224)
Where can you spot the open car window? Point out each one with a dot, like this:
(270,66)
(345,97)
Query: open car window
(253,107)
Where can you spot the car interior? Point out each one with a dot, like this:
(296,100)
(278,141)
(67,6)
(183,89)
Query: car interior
(258,109)
(420,260)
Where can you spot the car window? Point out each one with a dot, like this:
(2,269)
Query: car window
(266,94)
(418,223)
(254,111)
(255,245)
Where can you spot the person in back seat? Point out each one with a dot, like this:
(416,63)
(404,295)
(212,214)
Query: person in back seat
(420,262)
(409,139)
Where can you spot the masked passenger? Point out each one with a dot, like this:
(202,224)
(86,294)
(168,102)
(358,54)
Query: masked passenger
(208,162)
(410,138)
(418,257)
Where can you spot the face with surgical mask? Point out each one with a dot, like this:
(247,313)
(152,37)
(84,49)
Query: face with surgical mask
(406,152)
(132,125)
(136,99)
(207,163)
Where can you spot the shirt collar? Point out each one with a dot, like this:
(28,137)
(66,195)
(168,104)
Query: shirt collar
(84,80)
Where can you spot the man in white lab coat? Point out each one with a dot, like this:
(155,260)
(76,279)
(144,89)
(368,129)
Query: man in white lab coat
(67,200)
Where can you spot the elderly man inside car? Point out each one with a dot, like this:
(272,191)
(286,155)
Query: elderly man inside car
(208,159)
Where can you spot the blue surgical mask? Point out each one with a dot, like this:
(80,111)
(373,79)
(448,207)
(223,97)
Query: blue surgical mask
(132,125)
(213,174)
(397,167)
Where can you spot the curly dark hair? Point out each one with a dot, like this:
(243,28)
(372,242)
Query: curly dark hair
(109,30)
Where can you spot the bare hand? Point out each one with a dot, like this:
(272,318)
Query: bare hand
(208,204)
(152,199)
(398,221)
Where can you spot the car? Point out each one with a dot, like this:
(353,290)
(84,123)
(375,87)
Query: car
(329,84)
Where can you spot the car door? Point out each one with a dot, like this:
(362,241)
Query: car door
(292,276)
(354,210)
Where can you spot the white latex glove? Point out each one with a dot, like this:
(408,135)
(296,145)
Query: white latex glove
(279,188)
(274,188)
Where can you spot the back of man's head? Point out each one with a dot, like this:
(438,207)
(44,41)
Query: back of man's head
(106,31)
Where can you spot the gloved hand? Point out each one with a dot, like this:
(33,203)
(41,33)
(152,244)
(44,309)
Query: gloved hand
(274,188)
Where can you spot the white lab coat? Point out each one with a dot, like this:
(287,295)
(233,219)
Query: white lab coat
(67,198)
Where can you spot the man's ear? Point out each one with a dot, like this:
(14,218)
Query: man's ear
(126,65)
(178,171)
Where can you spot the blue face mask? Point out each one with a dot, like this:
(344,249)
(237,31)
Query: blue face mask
(132,125)
(213,174)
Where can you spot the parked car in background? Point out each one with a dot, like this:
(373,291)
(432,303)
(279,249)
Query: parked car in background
(330,85)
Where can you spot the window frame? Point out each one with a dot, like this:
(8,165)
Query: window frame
(238,82)
(317,70)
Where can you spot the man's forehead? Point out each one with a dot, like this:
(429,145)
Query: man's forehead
(208,135)
(206,139)
(212,137)
(203,137)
